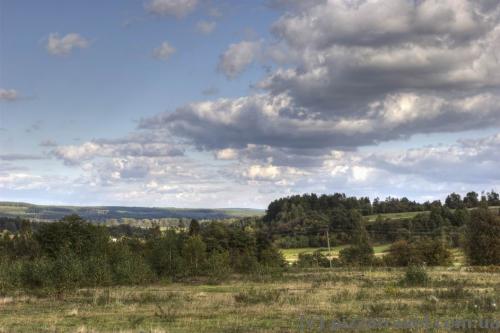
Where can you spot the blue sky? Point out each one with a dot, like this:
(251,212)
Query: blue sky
(195,103)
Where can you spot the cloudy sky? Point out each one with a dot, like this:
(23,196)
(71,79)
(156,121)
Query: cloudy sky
(204,103)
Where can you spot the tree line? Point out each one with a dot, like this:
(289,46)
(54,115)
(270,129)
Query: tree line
(302,220)
(72,253)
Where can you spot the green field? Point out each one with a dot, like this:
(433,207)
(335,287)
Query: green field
(260,305)
(408,215)
(391,216)
(104,213)
(292,255)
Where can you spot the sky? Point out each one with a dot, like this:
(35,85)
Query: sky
(204,103)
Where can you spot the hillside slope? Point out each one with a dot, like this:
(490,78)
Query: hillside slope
(103,213)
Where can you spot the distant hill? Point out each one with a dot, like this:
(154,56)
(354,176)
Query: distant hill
(103,213)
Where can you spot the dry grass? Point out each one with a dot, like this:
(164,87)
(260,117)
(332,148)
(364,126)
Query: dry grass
(247,306)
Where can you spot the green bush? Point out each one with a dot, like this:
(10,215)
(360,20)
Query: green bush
(66,273)
(218,266)
(10,272)
(315,259)
(361,254)
(128,268)
(431,252)
(482,241)
(416,276)
(97,271)
(36,274)
(255,296)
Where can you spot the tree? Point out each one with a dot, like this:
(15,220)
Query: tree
(471,199)
(194,254)
(454,201)
(493,198)
(361,252)
(194,227)
(418,252)
(460,217)
(482,241)
(72,234)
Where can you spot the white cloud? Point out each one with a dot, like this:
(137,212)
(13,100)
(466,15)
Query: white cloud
(129,147)
(177,8)
(164,51)
(238,57)
(8,95)
(226,154)
(62,46)
(262,172)
(206,27)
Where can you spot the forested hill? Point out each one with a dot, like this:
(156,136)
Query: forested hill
(302,220)
(304,204)
(104,213)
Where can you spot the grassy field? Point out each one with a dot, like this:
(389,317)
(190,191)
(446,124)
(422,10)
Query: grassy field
(265,306)
(292,255)
(409,215)
(392,216)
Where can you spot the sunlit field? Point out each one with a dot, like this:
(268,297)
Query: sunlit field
(262,304)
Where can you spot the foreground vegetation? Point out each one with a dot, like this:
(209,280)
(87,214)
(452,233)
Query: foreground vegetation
(234,277)
(264,303)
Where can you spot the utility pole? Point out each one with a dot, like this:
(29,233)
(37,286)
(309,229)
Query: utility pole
(329,251)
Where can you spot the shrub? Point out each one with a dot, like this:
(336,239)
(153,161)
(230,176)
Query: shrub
(128,268)
(218,267)
(361,254)
(36,274)
(482,241)
(255,296)
(66,273)
(416,276)
(315,259)
(9,275)
(97,271)
(423,251)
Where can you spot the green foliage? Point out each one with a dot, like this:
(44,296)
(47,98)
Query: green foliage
(127,267)
(416,276)
(431,252)
(315,259)
(256,296)
(218,266)
(66,273)
(482,241)
(72,234)
(360,254)
(194,254)
(10,272)
(194,227)
(164,255)
(97,271)
(36,274)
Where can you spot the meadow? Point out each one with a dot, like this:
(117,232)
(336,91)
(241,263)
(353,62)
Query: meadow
(262,304)
(292,255)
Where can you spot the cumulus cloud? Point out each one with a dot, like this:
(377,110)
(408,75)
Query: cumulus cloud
(238,57)
(164,51)
(177,8)
(8,95)
(63,46)
(262,172)
(127,147)
(226,154)
(359,73)
(276,121)
(206,27)
(467,161)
